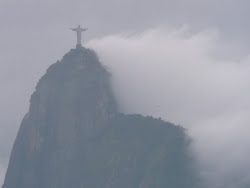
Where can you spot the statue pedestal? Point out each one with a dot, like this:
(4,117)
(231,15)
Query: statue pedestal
(78,46)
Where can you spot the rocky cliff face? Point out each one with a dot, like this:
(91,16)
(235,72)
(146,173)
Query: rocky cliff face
(73,136)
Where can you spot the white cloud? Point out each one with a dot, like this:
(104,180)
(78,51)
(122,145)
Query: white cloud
(179,77)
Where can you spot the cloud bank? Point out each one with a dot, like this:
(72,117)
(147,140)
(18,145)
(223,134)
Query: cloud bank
(187,79)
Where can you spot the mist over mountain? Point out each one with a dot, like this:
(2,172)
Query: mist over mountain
(75,136)
(186,79)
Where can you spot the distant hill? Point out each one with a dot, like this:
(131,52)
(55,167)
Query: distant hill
(74,136)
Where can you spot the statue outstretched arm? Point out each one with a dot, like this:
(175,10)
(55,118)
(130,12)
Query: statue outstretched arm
(84,29)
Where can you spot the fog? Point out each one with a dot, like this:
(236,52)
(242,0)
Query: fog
(179,77)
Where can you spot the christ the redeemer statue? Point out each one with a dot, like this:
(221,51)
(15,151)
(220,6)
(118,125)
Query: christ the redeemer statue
(79,31)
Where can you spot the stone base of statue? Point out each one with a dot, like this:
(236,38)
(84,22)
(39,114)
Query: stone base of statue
(78,46)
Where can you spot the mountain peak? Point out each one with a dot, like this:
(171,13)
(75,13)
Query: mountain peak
(73,136)
(71,104)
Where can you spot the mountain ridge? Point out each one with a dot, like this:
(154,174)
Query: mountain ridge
(75,136)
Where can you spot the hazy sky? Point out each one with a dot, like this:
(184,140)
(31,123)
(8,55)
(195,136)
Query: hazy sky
(199,48)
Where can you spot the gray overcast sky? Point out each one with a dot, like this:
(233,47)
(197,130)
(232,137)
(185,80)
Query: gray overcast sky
(102,17)
(35,34)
